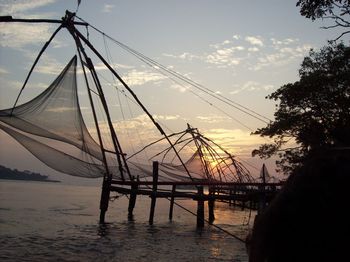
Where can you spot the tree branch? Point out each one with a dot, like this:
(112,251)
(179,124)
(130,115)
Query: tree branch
(344,33)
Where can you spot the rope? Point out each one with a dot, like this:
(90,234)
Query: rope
(157,66)
(205,220)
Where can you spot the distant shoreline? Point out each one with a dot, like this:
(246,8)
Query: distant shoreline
(26,179)
(10,174)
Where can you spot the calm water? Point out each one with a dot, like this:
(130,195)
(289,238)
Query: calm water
(56,222)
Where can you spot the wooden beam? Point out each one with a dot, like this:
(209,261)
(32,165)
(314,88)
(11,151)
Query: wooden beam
(52,21)
(195,183)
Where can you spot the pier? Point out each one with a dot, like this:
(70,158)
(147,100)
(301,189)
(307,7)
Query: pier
(254,196)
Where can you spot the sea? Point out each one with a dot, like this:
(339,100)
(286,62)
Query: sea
(41,221)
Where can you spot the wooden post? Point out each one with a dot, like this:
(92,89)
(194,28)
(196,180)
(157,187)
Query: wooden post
(172,202)
(211,203)
(261,201)
(132,199)
(262,192)
(243,204)
(104,200)
(200,208)
(230,201)
(154,192)
(234,193)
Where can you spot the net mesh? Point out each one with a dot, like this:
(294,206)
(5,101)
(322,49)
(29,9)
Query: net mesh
(55,114)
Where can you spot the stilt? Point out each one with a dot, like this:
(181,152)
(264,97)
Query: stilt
(200,208)
(243,205)
(262,192)
(104,200)
(262,202)
(172,202)
(154,192)
(211,204)
(132,199)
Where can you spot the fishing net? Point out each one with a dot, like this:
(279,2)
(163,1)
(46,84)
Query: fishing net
(52,128)
(54,116)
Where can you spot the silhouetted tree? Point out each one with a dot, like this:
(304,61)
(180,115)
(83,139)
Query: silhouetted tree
(336,10)
(313,112)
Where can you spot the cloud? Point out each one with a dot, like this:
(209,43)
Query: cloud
(3,71)
(11,84)
(253,49)
(251,86)
(137,78)
(254,40)
(49,65)
(17,35)
(166,117)
(282,54)
(212,119)
(224,57)
(184,56)
(101,66)
(286,41)
(107,8)
(181,88)
(11,7)
(236,141)
(250,52)
(236,37)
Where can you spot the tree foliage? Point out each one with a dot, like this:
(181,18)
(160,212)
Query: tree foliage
(313,112)
(336,10)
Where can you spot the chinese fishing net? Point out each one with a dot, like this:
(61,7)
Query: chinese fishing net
(52,128)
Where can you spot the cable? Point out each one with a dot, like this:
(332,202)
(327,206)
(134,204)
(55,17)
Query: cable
(208,91)
(205,220)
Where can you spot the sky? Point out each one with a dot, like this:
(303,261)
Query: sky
(240,49)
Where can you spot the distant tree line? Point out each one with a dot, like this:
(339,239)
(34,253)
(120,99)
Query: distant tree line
(7,173)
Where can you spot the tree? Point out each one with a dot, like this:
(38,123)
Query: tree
(336,10)
(314,112)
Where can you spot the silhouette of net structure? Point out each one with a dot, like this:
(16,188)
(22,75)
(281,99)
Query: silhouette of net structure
(51,117)
(52,128)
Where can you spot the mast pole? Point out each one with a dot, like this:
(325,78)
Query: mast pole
(107,179)
(72,30)
(105,191)
(50,21)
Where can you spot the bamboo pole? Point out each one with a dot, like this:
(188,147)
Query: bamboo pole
(154,192)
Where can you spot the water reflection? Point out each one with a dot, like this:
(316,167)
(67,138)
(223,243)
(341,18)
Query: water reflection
(103,229)
(79,237)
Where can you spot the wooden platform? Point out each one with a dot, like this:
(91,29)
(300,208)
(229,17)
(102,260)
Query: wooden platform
(255,196)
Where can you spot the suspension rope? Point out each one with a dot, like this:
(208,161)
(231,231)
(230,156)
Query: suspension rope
(187,80)
(205,220)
